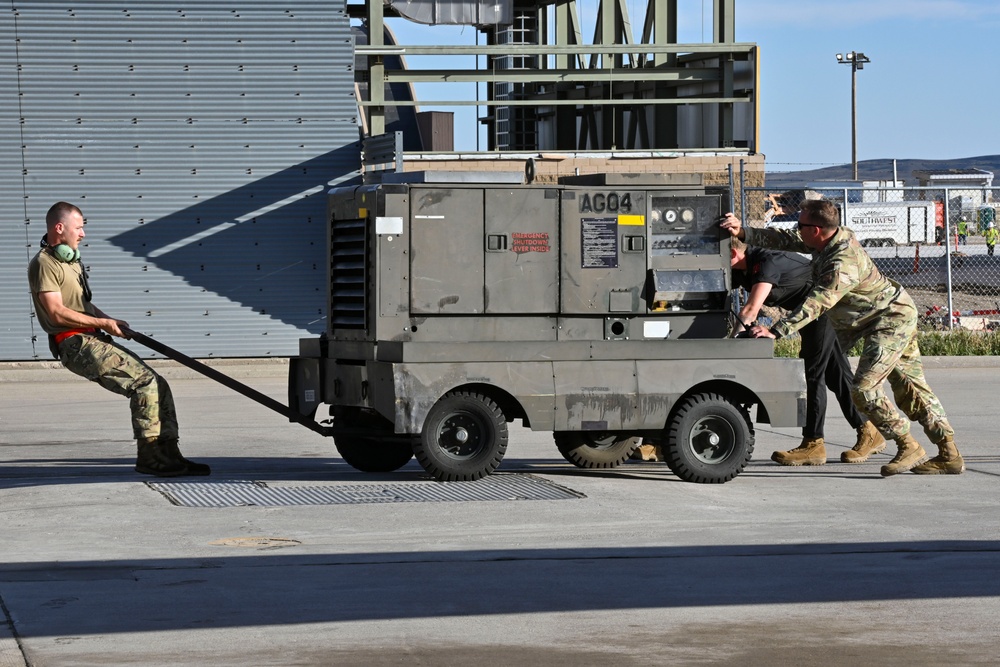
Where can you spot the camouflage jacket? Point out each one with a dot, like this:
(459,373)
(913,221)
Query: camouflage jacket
(846,282)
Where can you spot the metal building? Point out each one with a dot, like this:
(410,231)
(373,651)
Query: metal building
(199,140)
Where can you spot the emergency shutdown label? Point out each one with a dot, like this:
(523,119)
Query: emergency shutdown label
(599,243)
(529,242)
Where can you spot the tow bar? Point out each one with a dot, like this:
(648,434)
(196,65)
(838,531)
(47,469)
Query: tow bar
(239,387)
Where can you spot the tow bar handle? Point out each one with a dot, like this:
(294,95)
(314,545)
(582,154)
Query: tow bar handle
(224,379)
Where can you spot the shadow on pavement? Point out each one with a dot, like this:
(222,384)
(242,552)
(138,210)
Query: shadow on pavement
(76,598)
(25,472)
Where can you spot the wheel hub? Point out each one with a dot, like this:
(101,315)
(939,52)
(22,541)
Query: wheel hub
(461,435)
(712,439)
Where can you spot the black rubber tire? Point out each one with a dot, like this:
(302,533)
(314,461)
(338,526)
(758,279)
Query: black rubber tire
(381,451)
(373,454)
(698,421)
(595,449)
(464,438)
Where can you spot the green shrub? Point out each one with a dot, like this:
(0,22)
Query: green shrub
(959,343)
(956,343)
(787,347)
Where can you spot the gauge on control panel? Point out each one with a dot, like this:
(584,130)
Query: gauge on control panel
(685,225)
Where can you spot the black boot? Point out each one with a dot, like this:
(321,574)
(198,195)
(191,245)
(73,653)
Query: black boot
(153,459)
(191,468)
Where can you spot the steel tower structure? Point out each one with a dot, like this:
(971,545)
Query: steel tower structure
(547,88)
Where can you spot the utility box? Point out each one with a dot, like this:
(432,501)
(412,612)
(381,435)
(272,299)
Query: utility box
(596,308)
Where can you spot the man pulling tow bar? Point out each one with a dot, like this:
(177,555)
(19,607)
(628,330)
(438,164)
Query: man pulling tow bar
(80,337)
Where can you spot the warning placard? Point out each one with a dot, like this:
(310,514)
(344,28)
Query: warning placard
(529,242)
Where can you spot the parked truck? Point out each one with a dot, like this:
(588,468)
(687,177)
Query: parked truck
(895,223)
(878,224)
(595,309)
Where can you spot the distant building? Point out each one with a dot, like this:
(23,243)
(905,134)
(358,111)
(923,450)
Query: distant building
(968,191)
(954,178)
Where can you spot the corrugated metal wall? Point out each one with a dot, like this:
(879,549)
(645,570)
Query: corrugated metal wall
(198,138)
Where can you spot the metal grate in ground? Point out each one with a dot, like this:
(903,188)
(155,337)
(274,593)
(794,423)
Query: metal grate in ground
(498,486)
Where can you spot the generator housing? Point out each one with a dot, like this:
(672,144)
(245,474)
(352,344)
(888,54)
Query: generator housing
(595,308)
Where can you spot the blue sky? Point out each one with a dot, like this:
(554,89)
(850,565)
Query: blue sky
(931,90)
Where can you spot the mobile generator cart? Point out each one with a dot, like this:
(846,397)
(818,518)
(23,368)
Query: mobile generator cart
(595,308)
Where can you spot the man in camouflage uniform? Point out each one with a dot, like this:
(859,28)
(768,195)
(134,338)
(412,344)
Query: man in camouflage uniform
(862,304)
(78,335)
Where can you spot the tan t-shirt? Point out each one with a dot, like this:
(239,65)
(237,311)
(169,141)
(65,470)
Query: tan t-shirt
(48,274)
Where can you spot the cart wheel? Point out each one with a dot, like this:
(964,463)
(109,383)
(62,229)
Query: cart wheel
(377,450)
(595,449)
(372,454)
(464,438)
(709,440)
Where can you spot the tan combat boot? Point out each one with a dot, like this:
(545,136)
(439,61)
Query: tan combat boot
(910,454)
(870,441)
(647,452)
(947,462)
(812,452)
(153,459)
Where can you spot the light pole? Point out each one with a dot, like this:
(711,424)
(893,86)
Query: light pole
(856,61)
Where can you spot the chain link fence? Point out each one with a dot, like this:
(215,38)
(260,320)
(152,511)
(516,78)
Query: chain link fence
(937,242)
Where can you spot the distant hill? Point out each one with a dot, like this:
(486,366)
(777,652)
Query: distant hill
(880,170)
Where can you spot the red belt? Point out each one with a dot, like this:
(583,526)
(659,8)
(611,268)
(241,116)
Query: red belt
(63,335)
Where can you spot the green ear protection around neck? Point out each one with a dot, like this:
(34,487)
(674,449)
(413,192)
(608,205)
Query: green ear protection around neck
(62,252)
(68,255)
(65,254)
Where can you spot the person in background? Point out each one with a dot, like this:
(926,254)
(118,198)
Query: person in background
(864,305)
(783,279)
(963,230)
(79,337)
(991,235)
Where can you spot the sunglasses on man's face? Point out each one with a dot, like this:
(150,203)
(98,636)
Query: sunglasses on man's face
(801,225)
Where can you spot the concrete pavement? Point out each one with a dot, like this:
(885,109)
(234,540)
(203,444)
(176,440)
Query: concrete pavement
(805,566)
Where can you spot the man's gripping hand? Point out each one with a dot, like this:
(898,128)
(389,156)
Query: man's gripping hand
(116,327)
(732,224)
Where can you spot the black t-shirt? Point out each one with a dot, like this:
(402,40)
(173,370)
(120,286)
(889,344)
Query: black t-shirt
(789,273)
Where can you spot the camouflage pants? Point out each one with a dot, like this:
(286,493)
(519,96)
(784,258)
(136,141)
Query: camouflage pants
(101,360)
(890,352)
